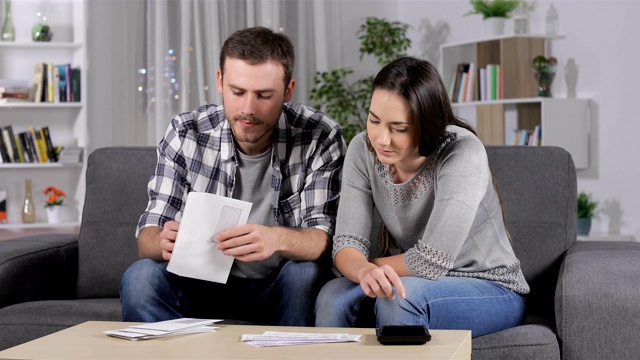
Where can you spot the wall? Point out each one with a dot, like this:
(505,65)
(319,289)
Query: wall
(598,40)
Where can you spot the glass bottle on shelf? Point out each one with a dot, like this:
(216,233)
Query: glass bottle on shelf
(28,210)
(8,31)
(552,21)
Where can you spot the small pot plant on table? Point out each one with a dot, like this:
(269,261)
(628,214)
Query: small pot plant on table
(494,13)
(586,212)
(54,206)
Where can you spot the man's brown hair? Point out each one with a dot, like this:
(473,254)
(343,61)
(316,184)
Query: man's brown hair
(257,45)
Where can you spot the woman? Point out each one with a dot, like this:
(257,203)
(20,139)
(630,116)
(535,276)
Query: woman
(444,256)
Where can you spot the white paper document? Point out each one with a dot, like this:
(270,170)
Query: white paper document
(164,328)
(280,338)
(195,254)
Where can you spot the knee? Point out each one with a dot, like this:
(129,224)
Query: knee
(336,303)
(141,276)
(306,275)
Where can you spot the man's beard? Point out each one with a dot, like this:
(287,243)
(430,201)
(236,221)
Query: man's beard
(252,135)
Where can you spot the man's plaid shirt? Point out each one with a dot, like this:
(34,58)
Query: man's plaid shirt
(197,153)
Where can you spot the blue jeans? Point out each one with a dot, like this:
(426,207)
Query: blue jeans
(150,293)
(472,304)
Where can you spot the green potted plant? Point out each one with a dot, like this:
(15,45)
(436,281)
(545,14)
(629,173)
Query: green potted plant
(586,212)
(494,13)
(545,73)
(346,101)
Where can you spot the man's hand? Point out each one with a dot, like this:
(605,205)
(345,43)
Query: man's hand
(379,281)
(168,237)
(250,242)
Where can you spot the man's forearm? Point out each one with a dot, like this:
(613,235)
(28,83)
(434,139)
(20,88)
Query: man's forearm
(302,244)
(149,243)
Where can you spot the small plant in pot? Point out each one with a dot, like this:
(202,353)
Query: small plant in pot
(586,212)
(494,13)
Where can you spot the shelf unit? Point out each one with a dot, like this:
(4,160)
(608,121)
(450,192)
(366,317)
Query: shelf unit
(67,122)
(564,122)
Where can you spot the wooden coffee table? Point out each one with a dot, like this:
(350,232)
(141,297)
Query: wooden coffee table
(86,341)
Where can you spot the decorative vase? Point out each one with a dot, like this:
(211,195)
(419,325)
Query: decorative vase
(545,79)
(8,32)
(494,26)
(584,226)
(57,214)
(28,210)
(41,30)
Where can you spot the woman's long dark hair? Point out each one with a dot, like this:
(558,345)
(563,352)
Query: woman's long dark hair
(418,82)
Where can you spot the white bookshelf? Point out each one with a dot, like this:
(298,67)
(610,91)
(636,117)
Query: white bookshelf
(564,122)
(67,122)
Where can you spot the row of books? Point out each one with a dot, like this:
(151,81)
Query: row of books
(470,83)
(52,83)
(527,137)
(30,146)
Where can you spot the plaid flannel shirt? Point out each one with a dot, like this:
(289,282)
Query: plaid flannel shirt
(197,153)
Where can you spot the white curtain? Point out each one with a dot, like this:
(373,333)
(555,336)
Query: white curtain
(183,40)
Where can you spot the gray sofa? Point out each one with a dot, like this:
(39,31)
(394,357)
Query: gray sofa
(583,302)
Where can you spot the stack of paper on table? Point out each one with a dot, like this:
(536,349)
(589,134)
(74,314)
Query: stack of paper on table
(279,338)
(164,328)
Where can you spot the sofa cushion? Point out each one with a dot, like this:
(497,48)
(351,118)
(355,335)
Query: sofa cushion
(597,303)
(526,342)
(38,267)
(27,321)
(539,189)
(114,201)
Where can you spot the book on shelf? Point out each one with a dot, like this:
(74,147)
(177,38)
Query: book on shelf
(12,100)
(26,149)
(482,84)
(50,82)
(470,94)
(75,85)
(38,82)
(527,137)
(55,83)
(14,95)
(32,145)
(10,138)
(70,155)
(4,154)
(490,86)
(51,152)
(459,80)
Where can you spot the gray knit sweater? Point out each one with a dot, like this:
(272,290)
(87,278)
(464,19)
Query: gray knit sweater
(446,220)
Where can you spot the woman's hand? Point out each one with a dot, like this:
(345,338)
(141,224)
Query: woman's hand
(379,281)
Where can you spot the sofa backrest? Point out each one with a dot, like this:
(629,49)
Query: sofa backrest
(539,191)
(115,198)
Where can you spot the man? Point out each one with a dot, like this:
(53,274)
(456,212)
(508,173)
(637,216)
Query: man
(285,159)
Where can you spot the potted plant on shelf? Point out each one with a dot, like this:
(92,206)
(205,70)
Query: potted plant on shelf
(586,212)
(545,73)
(54,204)
(494,13)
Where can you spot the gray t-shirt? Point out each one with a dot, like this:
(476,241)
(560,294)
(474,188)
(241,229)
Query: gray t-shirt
(253,184)
(446,219)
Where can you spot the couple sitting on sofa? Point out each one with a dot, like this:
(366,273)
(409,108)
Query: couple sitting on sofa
(443,258)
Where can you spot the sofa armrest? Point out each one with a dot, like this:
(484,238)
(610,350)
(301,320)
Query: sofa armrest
(597,301)
(38,267)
